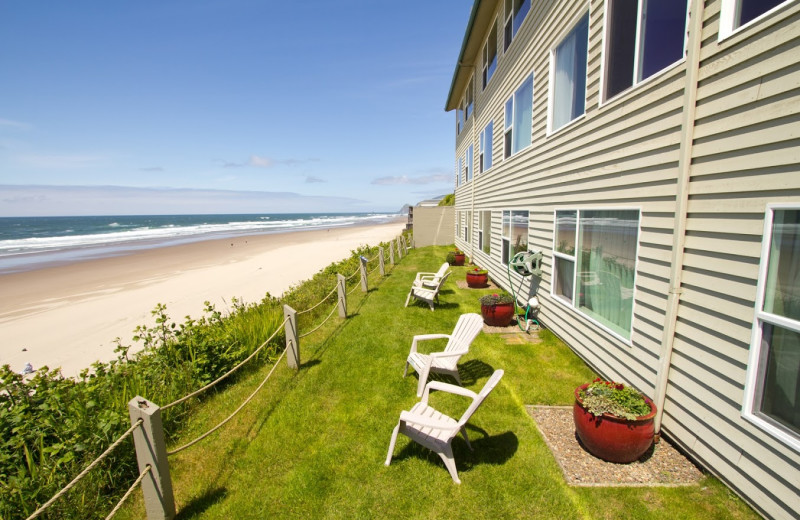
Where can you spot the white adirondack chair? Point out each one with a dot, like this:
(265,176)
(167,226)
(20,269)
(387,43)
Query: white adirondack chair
(465,331)
(434,430)
(430,280)
(426,294)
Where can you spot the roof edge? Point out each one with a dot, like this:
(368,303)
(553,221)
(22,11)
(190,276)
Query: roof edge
(470,25)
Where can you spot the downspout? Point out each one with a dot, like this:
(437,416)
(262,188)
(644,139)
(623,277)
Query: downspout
(474,171)
(681,209)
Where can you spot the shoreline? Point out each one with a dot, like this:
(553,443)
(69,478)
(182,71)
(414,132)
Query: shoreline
(69,315)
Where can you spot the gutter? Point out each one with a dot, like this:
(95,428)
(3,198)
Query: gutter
(681,209)
(470,25)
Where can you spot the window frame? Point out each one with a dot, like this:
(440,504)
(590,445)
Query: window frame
(485,147)
(467,228)
(510,106)
(489,67)
(730,11)
(637,80)
(575,286)
(469,158)
(469,101)
(505,241)
(509,15)
(485,232)
(760,318)
(552,75)
(459,170)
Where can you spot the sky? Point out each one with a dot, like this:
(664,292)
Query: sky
(225,106)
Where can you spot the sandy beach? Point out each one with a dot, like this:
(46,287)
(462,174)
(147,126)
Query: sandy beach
(68,316)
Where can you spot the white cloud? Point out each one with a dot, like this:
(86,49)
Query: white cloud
(22,201)
(15,124)
(404,179)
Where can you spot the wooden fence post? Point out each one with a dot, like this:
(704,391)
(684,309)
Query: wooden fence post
(151,450)
(391,253)
(363,268)
(292,341)
(381,262)
(399,251)
(341,284)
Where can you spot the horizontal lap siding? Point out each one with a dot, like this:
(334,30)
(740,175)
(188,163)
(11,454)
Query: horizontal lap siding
(746,151)
(625,154)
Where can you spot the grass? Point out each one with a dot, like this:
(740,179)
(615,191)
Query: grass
(313,442)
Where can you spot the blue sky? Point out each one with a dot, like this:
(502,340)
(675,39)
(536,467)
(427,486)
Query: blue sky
(216,106)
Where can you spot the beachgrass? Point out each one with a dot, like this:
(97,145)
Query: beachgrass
(313,441)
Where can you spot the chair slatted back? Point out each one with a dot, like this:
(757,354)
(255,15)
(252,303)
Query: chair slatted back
(485,391)
(466,330)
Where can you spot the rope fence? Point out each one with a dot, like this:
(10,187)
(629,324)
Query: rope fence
(231,416)
(336,306)
(85,472)
(146,426)
(128,493)
(223,376)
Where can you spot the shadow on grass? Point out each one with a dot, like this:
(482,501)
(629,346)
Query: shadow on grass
(474,370)
(199,505)
(489,449)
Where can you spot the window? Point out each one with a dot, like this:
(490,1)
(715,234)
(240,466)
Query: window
(738,13)
(466,221)
(468,169)
(515,234)
(642,42)
(485,148)
(568,76)
(458,172)
(459,119)
(515,10)
(469,101)
(595,267)
(773,377)
(490,55)
(518,115)
(485,231)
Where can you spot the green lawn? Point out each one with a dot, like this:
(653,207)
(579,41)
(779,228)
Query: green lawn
(313,442)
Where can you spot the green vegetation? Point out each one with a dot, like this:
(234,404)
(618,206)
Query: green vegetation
(52,427)
(312,443)
(448,200)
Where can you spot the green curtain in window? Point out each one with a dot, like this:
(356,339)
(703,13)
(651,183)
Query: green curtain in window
(606,267)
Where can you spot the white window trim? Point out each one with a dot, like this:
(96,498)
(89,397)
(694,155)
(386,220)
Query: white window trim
(513,98)
(727,14)
(552,79)
(637,63)
(469,171)
(485,53)
(571,305)
(504,237)
(487,145)
(751,383)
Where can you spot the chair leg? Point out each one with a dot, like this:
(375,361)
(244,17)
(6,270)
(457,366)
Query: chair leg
(408,297)
(423,378)
(391,445)
(405,372)
(456,376)
(464,433)
(450,463)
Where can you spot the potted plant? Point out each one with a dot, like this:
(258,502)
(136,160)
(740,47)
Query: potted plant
(477,277)
(497,309)
(456,257)
(613,421)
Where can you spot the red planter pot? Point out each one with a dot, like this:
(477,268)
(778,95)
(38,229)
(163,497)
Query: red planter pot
(477,280)
(613,438)
(459,259)
(497,315)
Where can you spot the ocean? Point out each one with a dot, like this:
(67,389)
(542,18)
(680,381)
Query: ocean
(28,243)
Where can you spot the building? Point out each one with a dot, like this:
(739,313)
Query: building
(655,161)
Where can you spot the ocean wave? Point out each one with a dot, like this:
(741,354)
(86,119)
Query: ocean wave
(127,234)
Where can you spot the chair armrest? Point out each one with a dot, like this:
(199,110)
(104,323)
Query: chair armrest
(446,387)
(425,337)
(448,354)
(426,421)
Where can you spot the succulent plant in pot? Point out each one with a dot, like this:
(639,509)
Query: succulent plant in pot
(477,277)
(613,421)
(497,309)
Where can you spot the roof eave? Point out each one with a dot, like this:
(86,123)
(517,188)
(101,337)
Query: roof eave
(478,17)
